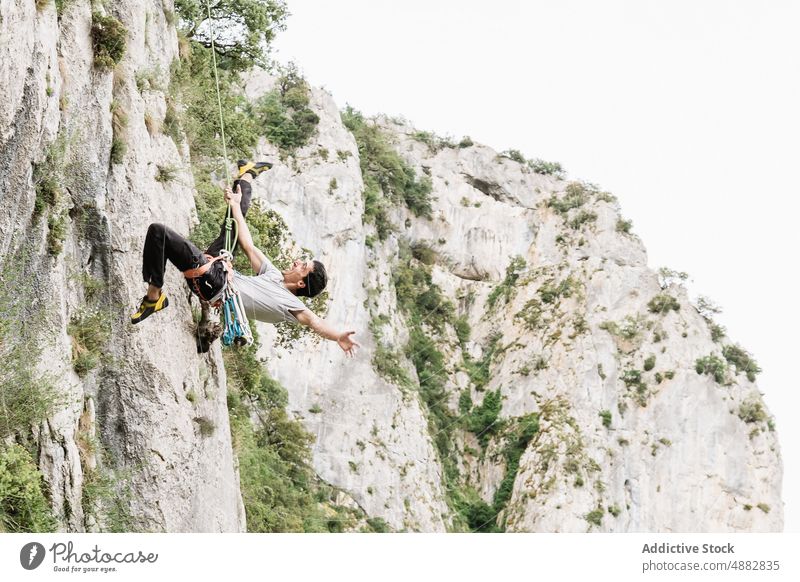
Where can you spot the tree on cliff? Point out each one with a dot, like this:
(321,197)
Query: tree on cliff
(243,29)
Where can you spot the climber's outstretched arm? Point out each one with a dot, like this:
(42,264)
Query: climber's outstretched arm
(254,255)
(322,328)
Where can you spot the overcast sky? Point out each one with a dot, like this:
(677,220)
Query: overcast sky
(688,111)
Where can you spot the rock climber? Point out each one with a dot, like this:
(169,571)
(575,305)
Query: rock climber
(270,296)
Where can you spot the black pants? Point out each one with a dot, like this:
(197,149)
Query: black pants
(163,243)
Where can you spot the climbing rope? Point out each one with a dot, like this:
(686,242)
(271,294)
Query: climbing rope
(236,328)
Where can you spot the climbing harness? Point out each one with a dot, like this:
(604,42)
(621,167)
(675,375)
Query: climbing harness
(236,328)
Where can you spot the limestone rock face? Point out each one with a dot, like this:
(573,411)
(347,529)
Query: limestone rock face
(129,422)
(642,422)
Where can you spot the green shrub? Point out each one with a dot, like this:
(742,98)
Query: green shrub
(483,420)
(547,168)
(56,233)
(595,517)
(523,430)
(166,174)
(649,363)
(606,416)
(576,195)
(514,155)
(752,410)
(583,217)
(378,525)
(478,516)
(108,40)
(624,226)
(387,177)
(506,288)
(717,332)
(713,366)
(463,330)
(90,331)
(531,314)
(663,303)
(550,292)
(466,142)
(742,361)
(479,372)
(47,194)
(287,120)
(279,488)
(23,505)
(423,253)
(118,150)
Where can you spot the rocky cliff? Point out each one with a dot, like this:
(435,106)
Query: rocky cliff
(523,369)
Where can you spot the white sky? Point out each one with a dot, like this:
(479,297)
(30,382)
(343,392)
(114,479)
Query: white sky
(688,111)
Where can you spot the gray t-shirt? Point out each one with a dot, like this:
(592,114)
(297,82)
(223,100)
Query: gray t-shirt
(264,296)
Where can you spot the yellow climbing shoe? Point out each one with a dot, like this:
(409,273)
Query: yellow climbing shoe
(252,168)
(147,308)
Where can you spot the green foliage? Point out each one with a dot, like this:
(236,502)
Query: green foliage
(47,193)
(279,487)
(667,277)
(118,150)
(90,330)
(108,40)
(522,432)
(595,517)
(285,116)
(752,410)
(663,303)
(466,142)
(576,194)
(583,217)
(106,496)
(763,507)
(606,416)
(531,314)
(649,363)
(244,28)
(464,403)
(614,510)
(378,525)
(713,366)
(387,177)
(192,86)
(742,361)
(56,233)
(550,292)
(479,372)
(23,505)
(514,155)
(474,512)
(624,226)
(27,397)
(505,289)
(433,141)
(483,420)
(547,168)
(717,332)
(463,330)
(423,253)
(166,174)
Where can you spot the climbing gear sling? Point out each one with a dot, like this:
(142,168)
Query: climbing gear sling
(217,273)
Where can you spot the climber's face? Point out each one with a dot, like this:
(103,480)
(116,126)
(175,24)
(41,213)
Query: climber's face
(298,271)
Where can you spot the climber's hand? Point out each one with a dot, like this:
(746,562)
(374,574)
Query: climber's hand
(347,344)
(233,198)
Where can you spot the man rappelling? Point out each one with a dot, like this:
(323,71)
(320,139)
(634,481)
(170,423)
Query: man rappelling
(270,296)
